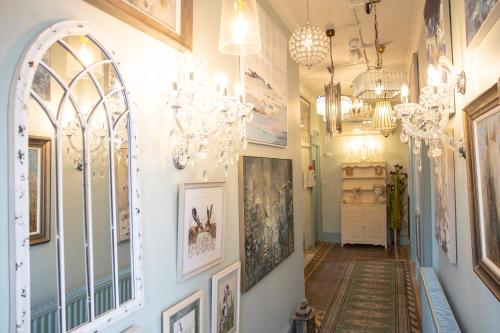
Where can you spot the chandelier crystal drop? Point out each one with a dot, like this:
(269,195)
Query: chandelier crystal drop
(427,121)
(308,45)
(383,118)
(209,123)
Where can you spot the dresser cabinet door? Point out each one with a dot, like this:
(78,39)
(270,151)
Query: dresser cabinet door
(352,223)
(375,224)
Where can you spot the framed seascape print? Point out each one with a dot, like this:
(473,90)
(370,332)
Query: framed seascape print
(266,216)
(168,20)
(480,16)
(186,316)
(39,170)
(226,300)
(266,85)
(444,196)
(305,122)
(482,128)
(200,228)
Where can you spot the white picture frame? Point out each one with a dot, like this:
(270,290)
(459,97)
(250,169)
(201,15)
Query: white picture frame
(183,309)
(195,235)
(232,272)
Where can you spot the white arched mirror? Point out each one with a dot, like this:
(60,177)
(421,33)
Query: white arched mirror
(75,217)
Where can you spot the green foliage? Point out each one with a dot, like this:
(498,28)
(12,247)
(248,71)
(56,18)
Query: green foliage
(398,183)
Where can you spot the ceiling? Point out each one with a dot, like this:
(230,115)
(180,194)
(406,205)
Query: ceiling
(399,30)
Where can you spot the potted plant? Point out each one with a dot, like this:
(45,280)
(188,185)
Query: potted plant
(396,189)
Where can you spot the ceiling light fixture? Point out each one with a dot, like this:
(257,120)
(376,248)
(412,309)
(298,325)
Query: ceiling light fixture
(383,119)
(374,82)
(239,28)
(308,45)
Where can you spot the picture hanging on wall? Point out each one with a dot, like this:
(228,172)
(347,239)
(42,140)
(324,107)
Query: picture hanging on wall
(185,316)
(168,20)
(226,300)
(200,228)
(39,178)
(444,196)
(305,122)
(266,85)
(437,25)
(482,130)
(266,216)
(413,80)
(480,16)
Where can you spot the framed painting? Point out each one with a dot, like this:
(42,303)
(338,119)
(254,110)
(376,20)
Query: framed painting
(305,122)
(226,295)
(444,203)
(200,228)
(168,20)
(266,216)
(185,316)
(437,24)
(40,171)
(480,16)
(482,129)
(265,80)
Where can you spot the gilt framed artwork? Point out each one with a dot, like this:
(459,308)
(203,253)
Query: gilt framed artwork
(200,228)
(226,295)
(185,316)
(39,174)
(266,216)
(482,129)
(168,20)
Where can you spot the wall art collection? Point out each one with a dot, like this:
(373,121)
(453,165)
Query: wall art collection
(266,216)
(482,129)
(480,15)
(266,85)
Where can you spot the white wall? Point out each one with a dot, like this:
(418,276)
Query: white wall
(475,307)
(146,64)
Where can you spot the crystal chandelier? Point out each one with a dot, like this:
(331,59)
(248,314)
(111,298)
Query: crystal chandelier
(208,121)
(428,120)
(375,82)
(308,45)
(383,118)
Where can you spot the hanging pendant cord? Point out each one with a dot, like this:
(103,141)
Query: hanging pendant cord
(377,49)
(307,11)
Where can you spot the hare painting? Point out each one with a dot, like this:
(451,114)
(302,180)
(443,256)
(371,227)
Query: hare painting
(209,226)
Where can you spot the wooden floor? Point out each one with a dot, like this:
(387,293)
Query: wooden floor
(323,279)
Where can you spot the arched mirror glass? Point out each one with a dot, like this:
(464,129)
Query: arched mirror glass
(77,162)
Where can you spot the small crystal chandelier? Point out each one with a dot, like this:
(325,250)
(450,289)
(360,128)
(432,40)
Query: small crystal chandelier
(428,120)
(209,123)
(375,82)
(383,118)
(308,45)
(239,28)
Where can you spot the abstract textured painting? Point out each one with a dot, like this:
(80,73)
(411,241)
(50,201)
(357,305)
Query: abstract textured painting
(266,216)
(266,85)
(476,12)
(435,14)
(444,196)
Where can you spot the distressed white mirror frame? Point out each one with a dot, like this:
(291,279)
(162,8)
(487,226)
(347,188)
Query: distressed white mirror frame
(18,186)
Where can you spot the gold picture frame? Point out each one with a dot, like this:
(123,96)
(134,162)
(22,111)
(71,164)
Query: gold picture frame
(39,174)
(144,19)
(482,116)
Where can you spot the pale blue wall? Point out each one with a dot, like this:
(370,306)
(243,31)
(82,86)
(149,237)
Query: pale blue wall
(475,307)
(146,64)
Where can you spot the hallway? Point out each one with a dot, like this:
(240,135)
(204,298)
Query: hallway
(362,289)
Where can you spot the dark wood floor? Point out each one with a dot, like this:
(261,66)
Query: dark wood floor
(323,281)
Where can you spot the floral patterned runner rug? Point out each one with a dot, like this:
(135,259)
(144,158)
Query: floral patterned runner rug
(374,296)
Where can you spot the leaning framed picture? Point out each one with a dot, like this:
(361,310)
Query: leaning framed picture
(200,227)
(168,20)
(482,129)
(185,316)
(39,178)
(226,295)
